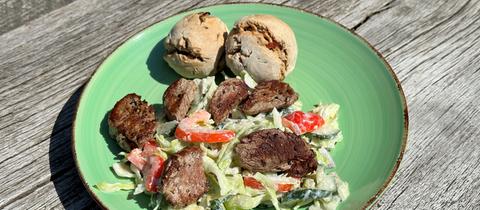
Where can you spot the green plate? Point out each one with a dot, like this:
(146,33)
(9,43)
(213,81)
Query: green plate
(334,65)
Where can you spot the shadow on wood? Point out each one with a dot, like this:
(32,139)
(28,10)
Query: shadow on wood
(64,175)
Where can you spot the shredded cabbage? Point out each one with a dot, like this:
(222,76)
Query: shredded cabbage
(297,106)
(342,188)
(122,170)
(249,81)
(226,154)
(227,191)
(270,189)
(327,111)
(114,187)
(243,201)
(166,128)
(277,119)
(169,147)
(212,153)
(211,167)
(245,126)
(324,158)
(206,89)
(139,189)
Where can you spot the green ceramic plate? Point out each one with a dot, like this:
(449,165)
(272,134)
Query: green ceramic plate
(334,65)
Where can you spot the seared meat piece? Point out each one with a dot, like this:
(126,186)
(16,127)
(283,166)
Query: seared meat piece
(132,122)
(273,150)
(267,95)
(184,180)
(178,98)
(226,98)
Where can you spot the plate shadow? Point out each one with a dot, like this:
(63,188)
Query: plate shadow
(158,68)
(64,175)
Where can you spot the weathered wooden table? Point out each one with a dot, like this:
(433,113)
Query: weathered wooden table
(48,50)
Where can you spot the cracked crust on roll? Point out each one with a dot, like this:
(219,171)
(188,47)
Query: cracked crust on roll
(262,45)
(195,45)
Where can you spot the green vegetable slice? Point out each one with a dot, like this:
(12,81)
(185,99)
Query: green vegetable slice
(303,196)
(114,187)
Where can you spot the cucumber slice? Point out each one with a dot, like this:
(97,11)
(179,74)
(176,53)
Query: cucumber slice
(328,131)
(303,196)
(217,204)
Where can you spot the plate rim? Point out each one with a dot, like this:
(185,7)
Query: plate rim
(373,200)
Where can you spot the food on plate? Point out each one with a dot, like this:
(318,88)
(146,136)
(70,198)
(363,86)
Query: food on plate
(132,122)
(268,95)
(262,45)
(195,45)
(277,157)
(184,180)
(241,144)
(178,98)
(300,122)
(273,150)
(227,97)
(196,128)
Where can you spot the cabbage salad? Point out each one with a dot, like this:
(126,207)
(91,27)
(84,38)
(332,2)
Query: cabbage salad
(230,186)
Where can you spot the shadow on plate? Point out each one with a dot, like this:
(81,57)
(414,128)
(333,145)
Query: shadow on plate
(64,175)
(112,144)
(158,68)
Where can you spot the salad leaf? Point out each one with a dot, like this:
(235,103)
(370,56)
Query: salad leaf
(212,153)
(211,167)
(226,154)
(308,183)
(169,147)
(324,158)
(236,183)
(330,204)
(136,172)
(139,189)
(114,187)
(166,128)
(327,111)
(122,170)
(277,119)
(249,81)
(206,89)
(297,106)
(342,188)
(270,189)
(240,202)
(245,126)
(324,181)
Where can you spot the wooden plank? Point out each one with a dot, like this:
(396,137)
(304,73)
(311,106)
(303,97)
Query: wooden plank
(42,64)
(15,13)
(435,53)
(44,70)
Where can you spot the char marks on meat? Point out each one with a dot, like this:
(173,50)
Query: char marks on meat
(178,98)
(226,98)
(272,150)
(184,180)
(268,95)
(132,122)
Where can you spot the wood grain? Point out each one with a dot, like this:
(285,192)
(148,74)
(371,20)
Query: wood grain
(15,13)
(432,46)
